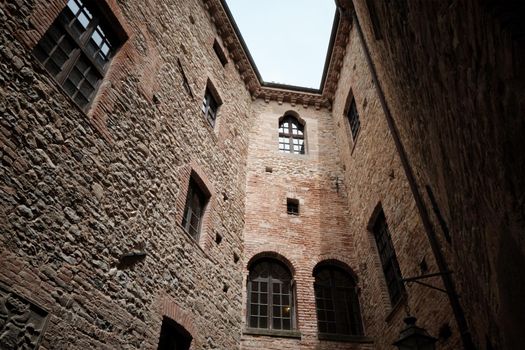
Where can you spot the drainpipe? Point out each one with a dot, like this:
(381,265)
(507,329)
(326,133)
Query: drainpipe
(453,297)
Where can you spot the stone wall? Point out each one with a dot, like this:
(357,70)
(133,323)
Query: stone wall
(373,179)
(453,74)
(79,190)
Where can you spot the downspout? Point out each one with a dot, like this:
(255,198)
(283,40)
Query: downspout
(453,297)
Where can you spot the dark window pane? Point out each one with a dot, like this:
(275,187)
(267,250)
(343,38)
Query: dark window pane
(86,89)
(81,100)
(52,68)
(335,300)
(75,76)
(277,323)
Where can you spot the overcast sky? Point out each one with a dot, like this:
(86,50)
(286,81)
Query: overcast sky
(287,39)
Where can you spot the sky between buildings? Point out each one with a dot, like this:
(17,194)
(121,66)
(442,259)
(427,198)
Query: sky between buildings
(288,39)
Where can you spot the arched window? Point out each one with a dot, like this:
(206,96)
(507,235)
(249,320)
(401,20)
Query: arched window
(291,135)
(270,296)
(337,302)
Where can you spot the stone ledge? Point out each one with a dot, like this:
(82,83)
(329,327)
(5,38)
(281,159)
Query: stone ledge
(272,333)
(345,338)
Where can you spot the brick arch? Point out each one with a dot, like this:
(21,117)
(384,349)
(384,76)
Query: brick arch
(170,309)
(336,260)
(294,114)
(274,255)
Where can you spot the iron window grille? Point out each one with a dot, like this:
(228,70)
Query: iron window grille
(270,296)
(337,302)
(353,119)
(77,48)
(292,206)
(210,107)
(388,258)
(196,201)
(291,136)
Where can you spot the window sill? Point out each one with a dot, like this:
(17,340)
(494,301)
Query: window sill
(272,333)
(345,338)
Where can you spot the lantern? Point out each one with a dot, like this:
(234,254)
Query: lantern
(414,337)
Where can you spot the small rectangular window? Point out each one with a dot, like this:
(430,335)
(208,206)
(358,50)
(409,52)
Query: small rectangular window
(210,107)
(196,201)
(220,52)
(353,119)
(387,255)
(292,206)
(77,49)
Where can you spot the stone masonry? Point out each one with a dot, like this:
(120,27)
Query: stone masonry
(93,251)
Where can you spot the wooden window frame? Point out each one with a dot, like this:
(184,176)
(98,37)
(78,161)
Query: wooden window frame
(269,280)
(353,323)
(113,36)
(195,189)
(287,137)
(388,259)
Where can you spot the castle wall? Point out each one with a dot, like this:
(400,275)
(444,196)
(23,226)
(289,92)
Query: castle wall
(79,190)
(373,177)
(452,72)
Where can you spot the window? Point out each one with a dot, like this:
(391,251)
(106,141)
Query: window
(353,119)
(388,258)
(196,201)
(210,107)
(270,296)
(77,48)
(291,135)
(292,206)
(376,27)
(337,302)
(173,336)
(220,52)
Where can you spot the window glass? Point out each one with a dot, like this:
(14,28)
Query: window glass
(291,136)
(337,302)
(270,299)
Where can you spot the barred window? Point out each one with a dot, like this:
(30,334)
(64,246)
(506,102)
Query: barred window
(337,303)
(77,48)
(291,135)
(353,119)
(387,254)
(270,296)
(196,201)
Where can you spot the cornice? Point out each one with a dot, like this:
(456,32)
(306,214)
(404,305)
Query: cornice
(239,53)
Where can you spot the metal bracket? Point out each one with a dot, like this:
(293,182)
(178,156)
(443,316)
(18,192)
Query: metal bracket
(418,278)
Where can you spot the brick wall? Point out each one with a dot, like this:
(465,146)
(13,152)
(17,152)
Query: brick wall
(320,232)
